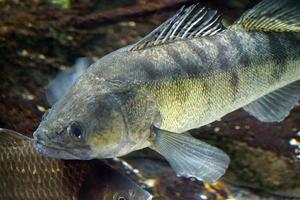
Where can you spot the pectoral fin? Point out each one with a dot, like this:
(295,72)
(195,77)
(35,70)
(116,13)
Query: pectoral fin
(275,106)
(190,157)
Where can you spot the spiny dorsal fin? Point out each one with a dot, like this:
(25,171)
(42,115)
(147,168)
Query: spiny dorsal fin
(272,16)
(187,23)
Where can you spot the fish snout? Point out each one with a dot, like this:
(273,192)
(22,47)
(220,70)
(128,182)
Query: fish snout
(40,135)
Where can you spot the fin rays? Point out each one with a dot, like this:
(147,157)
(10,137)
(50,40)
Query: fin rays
(272,15)
(187,23)
(274,107)
(190,157)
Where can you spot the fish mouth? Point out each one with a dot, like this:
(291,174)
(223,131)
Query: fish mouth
(60,153)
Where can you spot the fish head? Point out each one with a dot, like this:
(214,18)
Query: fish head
(128,194)
(120,188)
(106,183)
(118,191)
(93,120)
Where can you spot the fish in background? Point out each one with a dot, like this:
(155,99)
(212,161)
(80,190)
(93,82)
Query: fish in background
(26,175)
(187,73)
(65,79)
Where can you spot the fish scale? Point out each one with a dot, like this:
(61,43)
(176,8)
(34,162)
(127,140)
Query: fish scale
(40,178)
(197,101)
(26,175)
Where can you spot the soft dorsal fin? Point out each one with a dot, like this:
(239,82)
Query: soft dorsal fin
(188,22)
(272,16)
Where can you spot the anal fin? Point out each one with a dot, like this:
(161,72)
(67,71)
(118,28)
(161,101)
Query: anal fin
(190,157)
(276,106)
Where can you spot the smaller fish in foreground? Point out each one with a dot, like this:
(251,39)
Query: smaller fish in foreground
(26,175)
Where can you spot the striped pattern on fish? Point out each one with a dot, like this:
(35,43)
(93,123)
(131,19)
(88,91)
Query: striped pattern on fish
(243,67)
(188,72)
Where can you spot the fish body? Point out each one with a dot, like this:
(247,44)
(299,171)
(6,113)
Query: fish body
(207,78)
(26,175)
(188,72)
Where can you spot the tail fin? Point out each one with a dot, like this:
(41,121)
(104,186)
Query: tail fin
(271,16)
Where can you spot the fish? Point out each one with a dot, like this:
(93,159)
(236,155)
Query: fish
(185,74)
(67,78)
(25,174)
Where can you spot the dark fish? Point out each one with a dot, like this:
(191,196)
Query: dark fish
(26,175)
(187,73)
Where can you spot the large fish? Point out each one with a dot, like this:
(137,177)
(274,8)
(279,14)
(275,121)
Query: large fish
(188,72)
(26,175)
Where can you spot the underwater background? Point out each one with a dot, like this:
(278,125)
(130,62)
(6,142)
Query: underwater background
(38,38)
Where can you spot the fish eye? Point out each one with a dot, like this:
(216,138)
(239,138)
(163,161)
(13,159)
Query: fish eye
(75,131)
(120,197)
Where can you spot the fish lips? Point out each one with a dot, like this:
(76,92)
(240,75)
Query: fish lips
(61,153)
